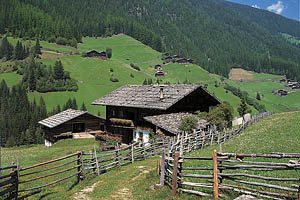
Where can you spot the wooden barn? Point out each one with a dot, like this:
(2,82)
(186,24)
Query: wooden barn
(182,61)
(159,74)
(127,106)
(71,124)
(96,54)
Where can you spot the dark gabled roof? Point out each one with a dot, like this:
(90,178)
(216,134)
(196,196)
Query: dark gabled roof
(171,122)
(63,117)
(147,96)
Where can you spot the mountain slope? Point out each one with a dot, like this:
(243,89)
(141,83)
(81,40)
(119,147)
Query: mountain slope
(218,35)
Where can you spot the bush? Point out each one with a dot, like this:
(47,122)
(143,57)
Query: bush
(114,79)
(108,52)
(135,67)
(188,123)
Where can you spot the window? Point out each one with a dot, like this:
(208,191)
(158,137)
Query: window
(121,115)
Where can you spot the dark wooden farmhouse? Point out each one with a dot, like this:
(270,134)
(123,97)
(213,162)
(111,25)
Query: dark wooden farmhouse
(71,124)
(96,54)
(131,103)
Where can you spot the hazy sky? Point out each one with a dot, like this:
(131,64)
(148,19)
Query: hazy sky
(287,8)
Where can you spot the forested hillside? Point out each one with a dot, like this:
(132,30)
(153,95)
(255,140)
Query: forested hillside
(218,35)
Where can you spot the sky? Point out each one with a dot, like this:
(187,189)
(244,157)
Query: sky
(286,8)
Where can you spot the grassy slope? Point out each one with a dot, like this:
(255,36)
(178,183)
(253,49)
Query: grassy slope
(10,78)
(94,74)
(265,84)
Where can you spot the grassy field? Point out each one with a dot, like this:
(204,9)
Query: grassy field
(10,78)
(264,84)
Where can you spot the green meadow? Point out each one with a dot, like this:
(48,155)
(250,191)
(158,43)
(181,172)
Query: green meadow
(93,75)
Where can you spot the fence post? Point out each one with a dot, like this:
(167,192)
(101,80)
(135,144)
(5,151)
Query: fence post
(132,154)
(175,172)
(96,160)
(17,178)
(92,161)
(162,168)
(144,150)
(211,138)
(79,168)
(117,157)
(215,178)
(181,145)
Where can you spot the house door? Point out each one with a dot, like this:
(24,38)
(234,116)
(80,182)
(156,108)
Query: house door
(127,136)
(78,127)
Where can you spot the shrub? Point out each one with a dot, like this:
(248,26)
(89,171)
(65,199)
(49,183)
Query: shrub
(114,79)
(135,67)
(188,123)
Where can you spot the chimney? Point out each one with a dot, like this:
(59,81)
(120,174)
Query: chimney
(161,92)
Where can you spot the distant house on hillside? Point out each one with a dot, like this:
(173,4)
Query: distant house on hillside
(168,59)
(132,103)
(191,61)
(71,124)
(166,54)
(159,74)
(96,54)
(158,67)
(182,61)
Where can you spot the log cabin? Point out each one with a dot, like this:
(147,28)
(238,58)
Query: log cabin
(127,106)
(71,124)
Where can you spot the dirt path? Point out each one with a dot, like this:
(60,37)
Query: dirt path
(83,194)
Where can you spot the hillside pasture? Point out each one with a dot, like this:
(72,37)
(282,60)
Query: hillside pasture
(240,74)
(10,78)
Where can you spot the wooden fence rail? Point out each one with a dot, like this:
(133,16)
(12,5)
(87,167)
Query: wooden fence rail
(100,162)
(13,183)
(239,178)
(9,182)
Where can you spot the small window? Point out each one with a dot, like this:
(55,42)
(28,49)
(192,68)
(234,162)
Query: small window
(102,127)
(121,115)
(113,113)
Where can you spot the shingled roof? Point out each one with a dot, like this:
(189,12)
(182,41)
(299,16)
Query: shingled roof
(147,96)
(171,122)
(62,117)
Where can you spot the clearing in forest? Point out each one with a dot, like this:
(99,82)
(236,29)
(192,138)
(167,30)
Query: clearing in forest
(240,74)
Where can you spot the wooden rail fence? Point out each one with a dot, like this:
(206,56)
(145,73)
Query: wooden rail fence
(9,182)
(255,174)
(100,162)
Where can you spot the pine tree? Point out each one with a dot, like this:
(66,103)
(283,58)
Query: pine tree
(108,52)
(83,108)
(145,82)
(258,96)
(37,47)
(43,109)
(58,70)
(74,104)
(243,109)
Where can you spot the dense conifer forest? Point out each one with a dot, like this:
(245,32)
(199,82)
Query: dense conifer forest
(217,34)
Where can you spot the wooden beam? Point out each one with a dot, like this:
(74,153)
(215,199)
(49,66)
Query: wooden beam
(215,178)
(175,172)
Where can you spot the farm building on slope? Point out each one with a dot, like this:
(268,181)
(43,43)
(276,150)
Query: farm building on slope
(71,124)
(96,54)
(127,106)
